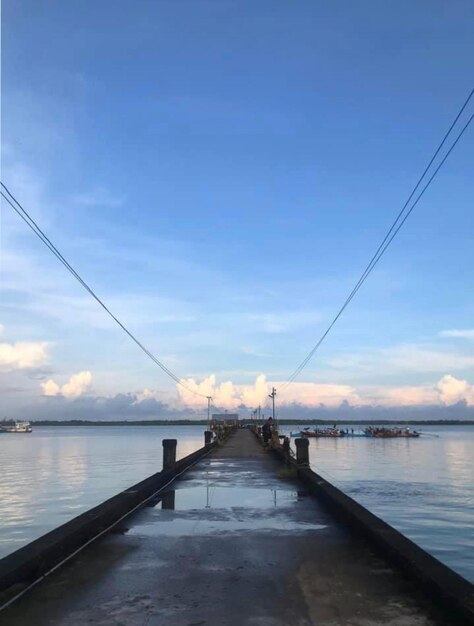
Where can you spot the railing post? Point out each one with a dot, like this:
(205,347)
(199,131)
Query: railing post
(207,437)
(169,453)
(302,452)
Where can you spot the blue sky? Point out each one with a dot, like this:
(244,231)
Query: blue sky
(221,172)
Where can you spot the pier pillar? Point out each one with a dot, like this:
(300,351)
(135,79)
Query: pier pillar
(302,452)
(169,453)
(207,437)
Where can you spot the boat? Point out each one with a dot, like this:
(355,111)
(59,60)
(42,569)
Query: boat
(371,431)
(15,427)
(390,433)
(322,432)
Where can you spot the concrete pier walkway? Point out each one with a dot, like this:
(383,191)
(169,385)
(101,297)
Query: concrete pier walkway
(243,545)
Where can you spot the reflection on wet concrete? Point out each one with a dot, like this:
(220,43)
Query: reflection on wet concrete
(228,497)
(168,500)
(203,510)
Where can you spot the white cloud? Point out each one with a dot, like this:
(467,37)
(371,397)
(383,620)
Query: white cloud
(314,394)
(447,391)
(77,386)
(467,333)
(226,395)
(50,388)
(156,394)
(407,395)
(22,355)
(147,394)
(452,390)
(230,395)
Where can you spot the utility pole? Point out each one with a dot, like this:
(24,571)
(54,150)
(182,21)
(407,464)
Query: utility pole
(272,396)
(259,407)
(209,398)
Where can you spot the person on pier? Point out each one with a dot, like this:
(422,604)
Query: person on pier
(267,430)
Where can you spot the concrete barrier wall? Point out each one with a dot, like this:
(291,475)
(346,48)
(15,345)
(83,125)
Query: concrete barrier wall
(31,562)
(450,591)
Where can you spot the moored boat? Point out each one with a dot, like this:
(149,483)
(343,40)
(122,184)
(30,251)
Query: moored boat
(390,433)
(15,427)
(322,432)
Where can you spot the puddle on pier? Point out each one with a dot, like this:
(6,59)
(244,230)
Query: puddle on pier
(201,496)
(211,509)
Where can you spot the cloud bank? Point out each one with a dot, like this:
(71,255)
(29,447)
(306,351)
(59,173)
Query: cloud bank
(79,384)
(448,391)
(228,395)
(22,355)
(75,398)
(447,395)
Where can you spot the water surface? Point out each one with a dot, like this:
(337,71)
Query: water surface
(423,487)
(56,472)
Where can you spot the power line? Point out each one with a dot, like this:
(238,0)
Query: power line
(391,233)
(24,215)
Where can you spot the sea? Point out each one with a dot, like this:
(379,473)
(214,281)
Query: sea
(423,487)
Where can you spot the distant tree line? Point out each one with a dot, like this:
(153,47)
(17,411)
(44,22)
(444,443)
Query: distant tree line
(201,422)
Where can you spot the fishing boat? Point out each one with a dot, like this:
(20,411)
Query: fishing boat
(374,432)
(321,432)
(15,427)
(390,433)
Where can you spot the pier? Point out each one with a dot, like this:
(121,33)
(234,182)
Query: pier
(236,534)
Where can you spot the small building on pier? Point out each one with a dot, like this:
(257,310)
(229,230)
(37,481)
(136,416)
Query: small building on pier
(228,419)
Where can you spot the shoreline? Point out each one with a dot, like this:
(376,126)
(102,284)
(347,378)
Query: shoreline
(281,422)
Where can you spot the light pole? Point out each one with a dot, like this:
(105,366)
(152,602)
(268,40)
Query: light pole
(272,396)
(209,398)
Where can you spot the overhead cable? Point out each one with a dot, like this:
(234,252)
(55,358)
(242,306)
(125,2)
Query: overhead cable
(24,215)
(392,232)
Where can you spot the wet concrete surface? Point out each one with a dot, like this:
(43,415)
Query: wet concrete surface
(243,545)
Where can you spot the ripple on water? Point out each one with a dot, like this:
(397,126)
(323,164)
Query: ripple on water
(423,487)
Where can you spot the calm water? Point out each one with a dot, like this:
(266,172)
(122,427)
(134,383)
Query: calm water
(53,474)
(423,487)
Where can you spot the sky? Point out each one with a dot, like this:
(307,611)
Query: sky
(220,173)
